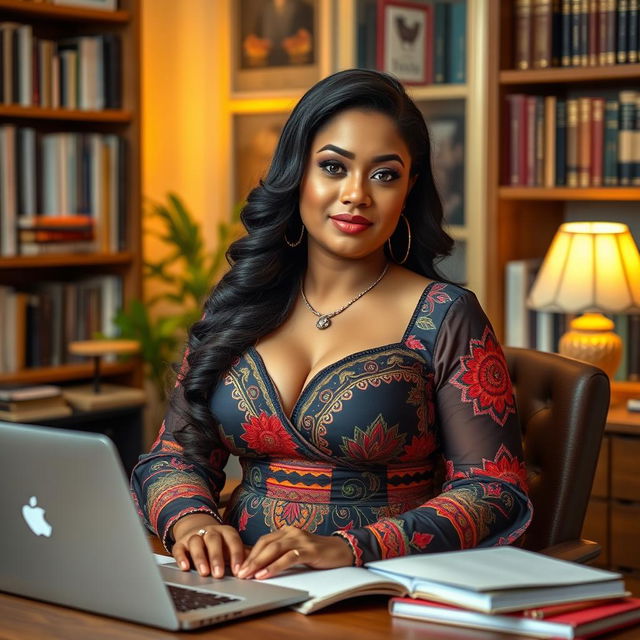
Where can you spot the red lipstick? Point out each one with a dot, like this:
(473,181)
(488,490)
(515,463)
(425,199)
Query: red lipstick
(350,223)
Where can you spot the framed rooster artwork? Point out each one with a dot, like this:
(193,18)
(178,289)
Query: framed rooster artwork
(405,40)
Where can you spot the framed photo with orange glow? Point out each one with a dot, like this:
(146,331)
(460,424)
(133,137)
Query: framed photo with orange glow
(405,40)
(278,46)
(255,136)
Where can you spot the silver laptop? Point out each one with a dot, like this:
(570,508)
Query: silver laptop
(71,535)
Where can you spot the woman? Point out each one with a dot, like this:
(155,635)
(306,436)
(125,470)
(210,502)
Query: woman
(338,365)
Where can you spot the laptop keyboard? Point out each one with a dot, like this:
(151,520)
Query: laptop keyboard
(190,600)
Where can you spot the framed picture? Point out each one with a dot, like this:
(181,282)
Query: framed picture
(105,5)
(278,45)
(446,123)
(405,36)
(255,136)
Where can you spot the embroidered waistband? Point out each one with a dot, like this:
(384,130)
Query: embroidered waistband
(301,481)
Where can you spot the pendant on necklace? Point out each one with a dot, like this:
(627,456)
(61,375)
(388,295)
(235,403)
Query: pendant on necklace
(324,322)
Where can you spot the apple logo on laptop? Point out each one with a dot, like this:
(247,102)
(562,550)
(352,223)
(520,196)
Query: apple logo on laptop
(34,517)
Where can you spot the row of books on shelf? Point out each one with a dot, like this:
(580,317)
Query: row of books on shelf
(542,330)
(496,588)
(574,142)
(61,192)
(37,324)
(575,33)
(445,36)
(81,72)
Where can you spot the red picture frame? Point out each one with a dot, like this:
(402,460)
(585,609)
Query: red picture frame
(405,40)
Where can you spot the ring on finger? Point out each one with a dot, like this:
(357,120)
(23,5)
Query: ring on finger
(202,532)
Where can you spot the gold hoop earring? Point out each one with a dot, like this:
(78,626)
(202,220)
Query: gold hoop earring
(297,242)
(406,254)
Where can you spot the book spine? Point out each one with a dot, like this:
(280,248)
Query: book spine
(515,109)
(626,137)
(565,38)
(635,179)
(556,33)
(603,18)
(621,327)
(597,140)
(542,34)
(523,34)
(632,40)
(593,33)
(550,107)
(440,48)
(611,33)
(530,158)
(561,142)
(576,12)
(584,33)
(457,43)
(611,143)
(623,31)
(584,142)
(572,142)
(540,141)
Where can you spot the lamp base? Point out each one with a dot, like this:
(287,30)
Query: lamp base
(591,339)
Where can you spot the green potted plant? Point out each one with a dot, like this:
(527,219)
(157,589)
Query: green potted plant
(184,276)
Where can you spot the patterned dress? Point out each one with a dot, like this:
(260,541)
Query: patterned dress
(361,452)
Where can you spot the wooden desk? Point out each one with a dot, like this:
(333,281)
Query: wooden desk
(355,619)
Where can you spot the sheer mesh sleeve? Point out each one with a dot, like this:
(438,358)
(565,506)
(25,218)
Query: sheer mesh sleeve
(484,498)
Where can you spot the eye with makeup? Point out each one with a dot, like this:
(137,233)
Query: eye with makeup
(335,168)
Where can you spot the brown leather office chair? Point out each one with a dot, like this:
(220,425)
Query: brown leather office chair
(563,406)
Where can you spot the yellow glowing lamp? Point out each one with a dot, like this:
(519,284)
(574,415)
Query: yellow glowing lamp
(590,268)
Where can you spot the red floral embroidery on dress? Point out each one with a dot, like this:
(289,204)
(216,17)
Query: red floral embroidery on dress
(181,466)
(484,380)
(378,442)
(243,519)
(266,434)
(391,538)
(413,343)
(452,474)
(505,466)
(421,540)
(421,446)
(435,295)
(158,439)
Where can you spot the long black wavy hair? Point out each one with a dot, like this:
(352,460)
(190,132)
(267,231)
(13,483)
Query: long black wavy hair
(257,294)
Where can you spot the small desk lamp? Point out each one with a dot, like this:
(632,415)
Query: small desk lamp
(99,395)
(590,268)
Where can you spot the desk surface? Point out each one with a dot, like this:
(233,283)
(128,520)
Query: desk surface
(356,619)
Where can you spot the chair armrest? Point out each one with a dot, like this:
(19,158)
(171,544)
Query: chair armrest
(581,551)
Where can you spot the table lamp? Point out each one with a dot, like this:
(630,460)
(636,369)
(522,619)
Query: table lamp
(590,268)
(98,395)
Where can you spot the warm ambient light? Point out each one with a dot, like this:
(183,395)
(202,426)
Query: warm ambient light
(590,267)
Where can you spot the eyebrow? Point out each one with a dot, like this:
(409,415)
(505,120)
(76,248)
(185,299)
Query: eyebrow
(351,156)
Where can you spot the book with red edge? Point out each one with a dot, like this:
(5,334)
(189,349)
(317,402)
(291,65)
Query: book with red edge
(587,622)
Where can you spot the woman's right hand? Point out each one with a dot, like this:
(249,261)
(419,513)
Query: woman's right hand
(207,551)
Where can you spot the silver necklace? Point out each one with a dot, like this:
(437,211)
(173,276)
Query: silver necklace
(324,319)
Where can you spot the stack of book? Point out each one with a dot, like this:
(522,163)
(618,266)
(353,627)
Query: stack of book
(26,404)
(498,588)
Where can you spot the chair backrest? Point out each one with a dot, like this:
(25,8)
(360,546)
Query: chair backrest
(563,406)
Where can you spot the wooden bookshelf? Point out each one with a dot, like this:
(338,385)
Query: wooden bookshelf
(521,221)
(53,21)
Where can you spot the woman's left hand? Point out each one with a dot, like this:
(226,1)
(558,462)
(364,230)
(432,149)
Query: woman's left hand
(277,551)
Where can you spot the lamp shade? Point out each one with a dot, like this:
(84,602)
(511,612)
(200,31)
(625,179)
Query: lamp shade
(590,266)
